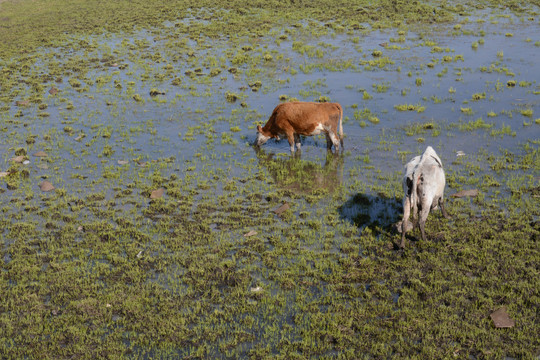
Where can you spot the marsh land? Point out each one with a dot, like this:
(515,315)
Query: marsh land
(137,221)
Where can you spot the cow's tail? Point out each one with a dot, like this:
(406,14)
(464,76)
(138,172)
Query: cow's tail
(341,125)
(414,194)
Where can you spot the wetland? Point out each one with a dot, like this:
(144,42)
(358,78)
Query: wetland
(137,221)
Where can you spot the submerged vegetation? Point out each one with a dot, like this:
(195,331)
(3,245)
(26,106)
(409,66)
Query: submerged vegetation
(137,222)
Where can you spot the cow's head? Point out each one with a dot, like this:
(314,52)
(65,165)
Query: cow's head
(261,136)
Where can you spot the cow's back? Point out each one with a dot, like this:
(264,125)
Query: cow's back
(305,116)
(433,176)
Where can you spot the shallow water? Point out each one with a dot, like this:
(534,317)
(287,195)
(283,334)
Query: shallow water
(157,127)
(191,128)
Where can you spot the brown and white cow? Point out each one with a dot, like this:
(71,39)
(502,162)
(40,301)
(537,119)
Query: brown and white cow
(423,184)
(293,119)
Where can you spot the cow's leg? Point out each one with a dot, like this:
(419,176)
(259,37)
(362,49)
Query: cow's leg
(328,141)
(335,140)
(426,206)
(297,141)
(419,198)
(331,139)
(404,222)
(441,204)
(290,138)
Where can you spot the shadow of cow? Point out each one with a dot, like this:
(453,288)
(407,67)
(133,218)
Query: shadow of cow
(379,213)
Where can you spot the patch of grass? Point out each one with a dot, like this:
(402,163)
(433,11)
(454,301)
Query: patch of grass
(467,110)
(410,107)
(474,125)
(478,96)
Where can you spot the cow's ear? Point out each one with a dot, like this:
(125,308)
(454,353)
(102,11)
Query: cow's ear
(259,128)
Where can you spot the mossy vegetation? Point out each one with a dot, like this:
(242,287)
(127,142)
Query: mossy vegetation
(137,222)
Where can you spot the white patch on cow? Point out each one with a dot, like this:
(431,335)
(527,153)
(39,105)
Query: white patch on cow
(334,139)
(332,135)
(297,141)
(318,129)
(261,139)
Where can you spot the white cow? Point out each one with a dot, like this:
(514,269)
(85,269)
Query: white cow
(423,185)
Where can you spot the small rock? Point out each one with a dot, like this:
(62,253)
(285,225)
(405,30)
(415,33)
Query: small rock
(256,289)
(156,194)
(281,209)
(22,103)
(460,153)
(46,186)
(40,154)
(398,226)
(26,162)
(501,319)
(250,233)
(18,159)
(122,162)
(464,193)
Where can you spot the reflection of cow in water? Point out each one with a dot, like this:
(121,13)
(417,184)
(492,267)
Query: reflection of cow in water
(302,176)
